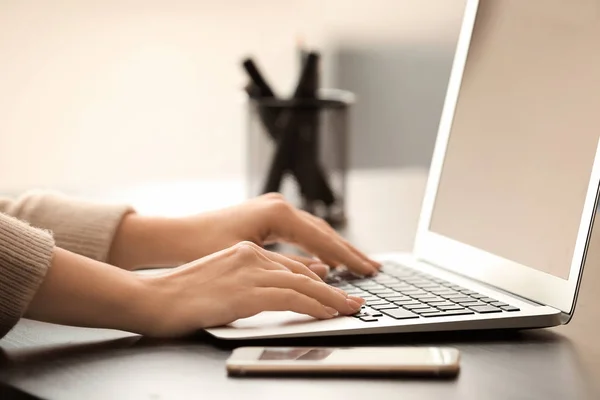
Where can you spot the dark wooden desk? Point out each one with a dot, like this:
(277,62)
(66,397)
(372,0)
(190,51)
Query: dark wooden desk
(52,361)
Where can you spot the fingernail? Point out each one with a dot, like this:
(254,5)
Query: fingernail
(354,306)
(332,311)
(359,300)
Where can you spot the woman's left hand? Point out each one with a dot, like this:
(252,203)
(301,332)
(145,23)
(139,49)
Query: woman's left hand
(149,241)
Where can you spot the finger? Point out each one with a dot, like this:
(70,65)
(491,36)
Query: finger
(320,269)
(319,291)
(325,245)
(293,265)
(284,299)
(304,260)
(328,228)
(274,265)
(314,264)
(310,262)
(332,263)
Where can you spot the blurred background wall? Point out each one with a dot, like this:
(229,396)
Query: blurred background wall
(97,94)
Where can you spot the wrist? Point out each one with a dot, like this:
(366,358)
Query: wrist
(80,291)
(158,311)
(144,305)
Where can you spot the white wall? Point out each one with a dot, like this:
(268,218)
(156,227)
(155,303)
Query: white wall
(109,93)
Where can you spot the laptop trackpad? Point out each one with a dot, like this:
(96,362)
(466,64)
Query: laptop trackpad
(271,319)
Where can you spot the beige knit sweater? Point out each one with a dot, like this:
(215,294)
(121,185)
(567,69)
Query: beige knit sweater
(30,227)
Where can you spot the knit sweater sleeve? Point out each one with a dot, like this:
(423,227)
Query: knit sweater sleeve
(31,226)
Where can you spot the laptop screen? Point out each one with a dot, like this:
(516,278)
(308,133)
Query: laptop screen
(524,133)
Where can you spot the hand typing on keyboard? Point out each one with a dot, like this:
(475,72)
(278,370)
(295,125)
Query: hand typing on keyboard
(232,276)
(226,273)
(239,282)
(404,293)
(263,220)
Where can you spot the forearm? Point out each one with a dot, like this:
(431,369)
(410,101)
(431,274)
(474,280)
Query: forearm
(77,225)
(154,242)
(83,292)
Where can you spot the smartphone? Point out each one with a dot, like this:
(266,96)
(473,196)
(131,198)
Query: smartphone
(421,361)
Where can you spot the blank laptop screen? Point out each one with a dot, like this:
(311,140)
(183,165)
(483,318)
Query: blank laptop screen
(525,132)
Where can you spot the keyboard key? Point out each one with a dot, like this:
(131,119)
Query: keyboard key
(381,275)
(343,285)
(427,286)
(450,308)
(413,306)
(395,297)
(368,318)
(377,302)
(478,296)
(352,289)
(437,313)
(451,295)
(399,313)
(445,292)
(374,290)
(370,298)
(417,296)
(441,303)
(407,302)
(485,309)
(432,299)
(448,313)
(429,297)
(510,308)
(376,314)
(401,288)
(368,285)
(498,304)
(472,303)
(416,279)
(358,293)
(384,279)
(413,291)
(421,296)
(384,307)
(467,292)
(424,310)
(380,291)
(488,300)
(461,299)
(435,287)
(419,284)
(439,289)
(360,314)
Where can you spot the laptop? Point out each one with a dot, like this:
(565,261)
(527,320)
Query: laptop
(512,190)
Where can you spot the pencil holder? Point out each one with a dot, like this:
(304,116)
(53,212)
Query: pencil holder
(299,148)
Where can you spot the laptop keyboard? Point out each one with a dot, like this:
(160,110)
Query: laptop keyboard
(400,292)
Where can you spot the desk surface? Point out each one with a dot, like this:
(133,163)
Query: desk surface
(53,361)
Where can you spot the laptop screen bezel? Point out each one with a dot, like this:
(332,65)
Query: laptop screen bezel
(478,264)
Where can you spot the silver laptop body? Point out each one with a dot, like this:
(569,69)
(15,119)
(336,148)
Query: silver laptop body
(512,190)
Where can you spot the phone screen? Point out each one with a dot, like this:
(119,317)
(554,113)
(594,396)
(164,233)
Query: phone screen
(365,356)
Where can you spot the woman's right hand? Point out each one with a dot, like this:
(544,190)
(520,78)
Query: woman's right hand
(235,283)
